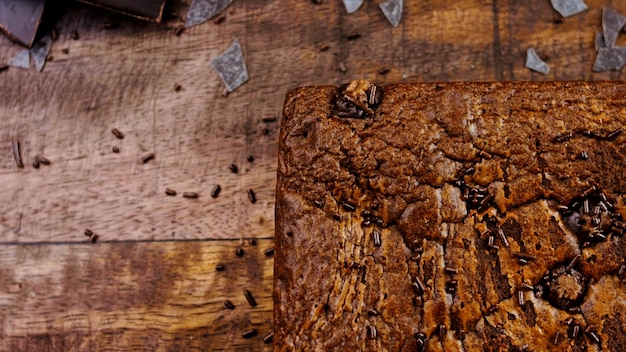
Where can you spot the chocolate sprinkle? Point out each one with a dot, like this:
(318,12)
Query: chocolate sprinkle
(228,304)
(115,150)
(147,158)
(216,191)
(93,238)
(269,118)
(36,164)
(249,333)
(371,332)
(17,154)
(267,339)
(220,267)
(42,160)
(190,195)
(348,206)
(614,134)
(250,298)
(251,196)
(233,168)
(269,252)
(250,159)
(170,192)
(520,298)
(239,252)
(117,133)
(372,312)
(376,238)
(88,232)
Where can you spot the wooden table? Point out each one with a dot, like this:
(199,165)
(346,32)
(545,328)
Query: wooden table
(150,283)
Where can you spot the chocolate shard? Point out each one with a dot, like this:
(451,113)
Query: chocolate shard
(40,51)
(612,24)
(231,67)
(20,19)
(201,11)
(610,59)
(569,8)
(534,63)
(149,10)
(392,10)
(352,5)
(21,60)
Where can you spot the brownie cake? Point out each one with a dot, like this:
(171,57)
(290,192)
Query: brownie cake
(452,217)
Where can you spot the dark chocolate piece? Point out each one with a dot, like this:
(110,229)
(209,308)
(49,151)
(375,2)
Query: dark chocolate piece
(20,19)
(149,10)
(392,9)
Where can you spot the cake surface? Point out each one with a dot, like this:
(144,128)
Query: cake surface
(452,217)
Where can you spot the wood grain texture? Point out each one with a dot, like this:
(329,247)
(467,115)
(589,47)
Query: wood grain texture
(124,78)
(163,296)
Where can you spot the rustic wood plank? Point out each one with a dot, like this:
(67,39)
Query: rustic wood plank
(159,296)
(124,78)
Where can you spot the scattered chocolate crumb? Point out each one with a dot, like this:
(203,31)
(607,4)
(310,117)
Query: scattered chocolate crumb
(383,71)
(178,31)
(251,196)
(269,252)
(233,168)
(267,339)
(216,191)
(249,333)
(250,298)
(269,118)
(323,47)
(219,20)
(170,192)
(88,232)
(75,35)
(220,267)
(228,304)
(239,252)
(147,158)
(117,133)
(250,159)
(190,195)
(115,149)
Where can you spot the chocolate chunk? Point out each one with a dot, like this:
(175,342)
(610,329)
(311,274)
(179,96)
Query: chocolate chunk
(231,67)
(569,8)
(358,99)
(201,11)
(149,10)
(534,63)
(564,288)
(20,19)
(392,9)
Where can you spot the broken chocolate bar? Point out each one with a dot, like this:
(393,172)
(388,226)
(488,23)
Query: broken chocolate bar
(149,10)
(20,19)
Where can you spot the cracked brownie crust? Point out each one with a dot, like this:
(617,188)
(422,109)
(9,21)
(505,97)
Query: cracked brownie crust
(452,216)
